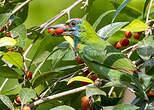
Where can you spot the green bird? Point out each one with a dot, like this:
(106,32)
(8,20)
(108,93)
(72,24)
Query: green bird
(99,55)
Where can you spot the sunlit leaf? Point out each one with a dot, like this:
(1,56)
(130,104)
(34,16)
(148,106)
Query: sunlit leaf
(80,78)
(136,26)
(4,18)
(7,41)
(7,101)
(13,58)
(69,40)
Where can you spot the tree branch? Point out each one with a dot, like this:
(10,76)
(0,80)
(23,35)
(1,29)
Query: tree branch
(148,13)
(40,101)
(21,6)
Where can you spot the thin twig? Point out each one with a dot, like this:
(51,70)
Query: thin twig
(21,6)
(111,90)
(40,101)
(148,13)
(129,48)
(5,81)
(66,11)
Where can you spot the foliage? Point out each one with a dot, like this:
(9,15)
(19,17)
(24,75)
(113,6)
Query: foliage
(58,79)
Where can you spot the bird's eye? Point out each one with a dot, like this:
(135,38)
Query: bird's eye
(73,23)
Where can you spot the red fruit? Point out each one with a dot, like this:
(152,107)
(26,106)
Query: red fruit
(149,93)
(23,50)
(10,50)
(8,34)
(79,60)
(128,34)
(60,30)
(117,45)
(29,75)
(94,77)
(137,35)
(2,29)
(51,30)
(18,100)
(26,108)
(83,83)
(124,42)
(85,103)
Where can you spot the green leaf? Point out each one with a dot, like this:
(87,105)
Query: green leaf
(136,26)
(123,4)
(21,32)
(93,90)
(6,72)
(146,47)
(7,101)
(13,58)
(145,6)
(150,106)
(121,107)
(80,78)
(26,94)
(130,11)
(4,18)
(149,62)
(115,84)
(44,77)
(99,19)
(110,29)
(63,107)
(7,41)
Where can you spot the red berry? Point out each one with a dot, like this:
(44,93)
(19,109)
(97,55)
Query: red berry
(60,30)
(8,34)
(94,77)
(117,45)
(149,93)
(85,103)
(23,50)
(128,34)
(2,29)
(10,50)
(83,83)
(137,35)
(29,75)
(26,108)
(124,42)
(51,30)
(79,60)
(18,100)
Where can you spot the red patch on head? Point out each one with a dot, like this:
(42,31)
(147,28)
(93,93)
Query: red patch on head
(77,18)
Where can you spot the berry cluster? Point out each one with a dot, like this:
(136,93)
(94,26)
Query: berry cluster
(85,103)
(125,42)
(7,34)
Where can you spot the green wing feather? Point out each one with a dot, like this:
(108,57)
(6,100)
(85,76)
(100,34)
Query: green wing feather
(102,53)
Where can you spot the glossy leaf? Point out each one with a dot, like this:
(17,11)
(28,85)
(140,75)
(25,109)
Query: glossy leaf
(26,94)
(21,32)
(130,11)
(145,6)
(121,107)
(110,29)
(136,26)
(63,107)
(7,101)
(99,19)
(6,72)
(13,58)
(4,18)
(115,84)
(7,41)
(80,78)
(146,47)
(149,62)
(93,90)
(44,77)
(123,4)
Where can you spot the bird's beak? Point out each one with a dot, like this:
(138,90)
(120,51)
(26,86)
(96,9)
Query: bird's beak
(62,30)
